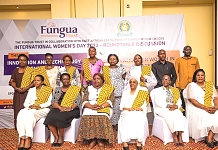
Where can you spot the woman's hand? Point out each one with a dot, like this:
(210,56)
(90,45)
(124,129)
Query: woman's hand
(142,79)
(173,107)
(34,107)
(211,110)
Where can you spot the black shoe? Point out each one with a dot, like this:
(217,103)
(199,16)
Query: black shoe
(54,144)
(209,144)
(59,144)
(20,148)
(126,148)
(215,143)
(181,144)
(139,147)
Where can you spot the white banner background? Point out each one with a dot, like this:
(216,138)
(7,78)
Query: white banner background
(124,36)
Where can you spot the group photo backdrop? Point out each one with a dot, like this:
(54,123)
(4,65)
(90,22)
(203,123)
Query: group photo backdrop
(124,36)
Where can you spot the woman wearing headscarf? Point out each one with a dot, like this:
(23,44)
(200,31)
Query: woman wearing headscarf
(133,115)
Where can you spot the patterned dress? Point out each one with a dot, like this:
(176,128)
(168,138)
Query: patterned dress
(75,77)
(118,83)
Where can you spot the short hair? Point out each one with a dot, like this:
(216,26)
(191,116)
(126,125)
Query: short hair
(22,55)
(195,74)
(161,50)
(67,55)
(108,58)
(41,77)
(166,75)
(48,54)
(187,47)
(139,56)
(100,75)
(64,74)
(92,47)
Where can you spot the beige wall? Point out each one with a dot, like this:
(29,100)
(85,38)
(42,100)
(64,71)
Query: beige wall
(198,29)
(42,14)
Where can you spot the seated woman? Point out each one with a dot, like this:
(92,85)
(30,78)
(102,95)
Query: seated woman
(202,106)
(65,104)
(168,105)
(95,124)
(133,116)
(36,106)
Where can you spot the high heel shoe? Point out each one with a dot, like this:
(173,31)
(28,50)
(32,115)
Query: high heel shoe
(126,148)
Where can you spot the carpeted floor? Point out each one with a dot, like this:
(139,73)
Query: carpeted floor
(9,141)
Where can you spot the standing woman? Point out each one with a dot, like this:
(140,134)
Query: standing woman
(21,82)
(90,66)
(68,68)
(147,78)
(115,76)
(49,71)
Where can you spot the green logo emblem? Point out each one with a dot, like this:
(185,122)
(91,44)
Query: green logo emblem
(124,28)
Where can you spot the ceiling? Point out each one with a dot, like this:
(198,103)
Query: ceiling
(25,7)
(176,2)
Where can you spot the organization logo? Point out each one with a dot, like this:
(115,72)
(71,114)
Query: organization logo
(51,30)
(124,28)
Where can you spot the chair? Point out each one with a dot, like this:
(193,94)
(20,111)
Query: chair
(40,132)
(160,128)
(70,133)
(146,134)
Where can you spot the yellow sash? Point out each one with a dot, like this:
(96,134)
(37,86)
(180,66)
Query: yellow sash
(87,71)
(42,95)
(71,72)
(70,96)
(41,70)
(208,94)
(104,95)
(141,97)
(176,96)
(146,70)
(106,73)
(26,80)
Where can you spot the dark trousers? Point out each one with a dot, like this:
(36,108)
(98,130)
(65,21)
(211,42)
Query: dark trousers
(183,101)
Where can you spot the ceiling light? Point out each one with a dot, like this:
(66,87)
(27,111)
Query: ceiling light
(17,7)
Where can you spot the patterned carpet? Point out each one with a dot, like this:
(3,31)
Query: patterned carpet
(9,140)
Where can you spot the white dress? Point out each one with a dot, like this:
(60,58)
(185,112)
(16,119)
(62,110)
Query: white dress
(132,123)
(200,122)
(27,117)
(137,71)
(174,119)
(92,99)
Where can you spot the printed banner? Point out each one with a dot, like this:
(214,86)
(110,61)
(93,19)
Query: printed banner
(124,36)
